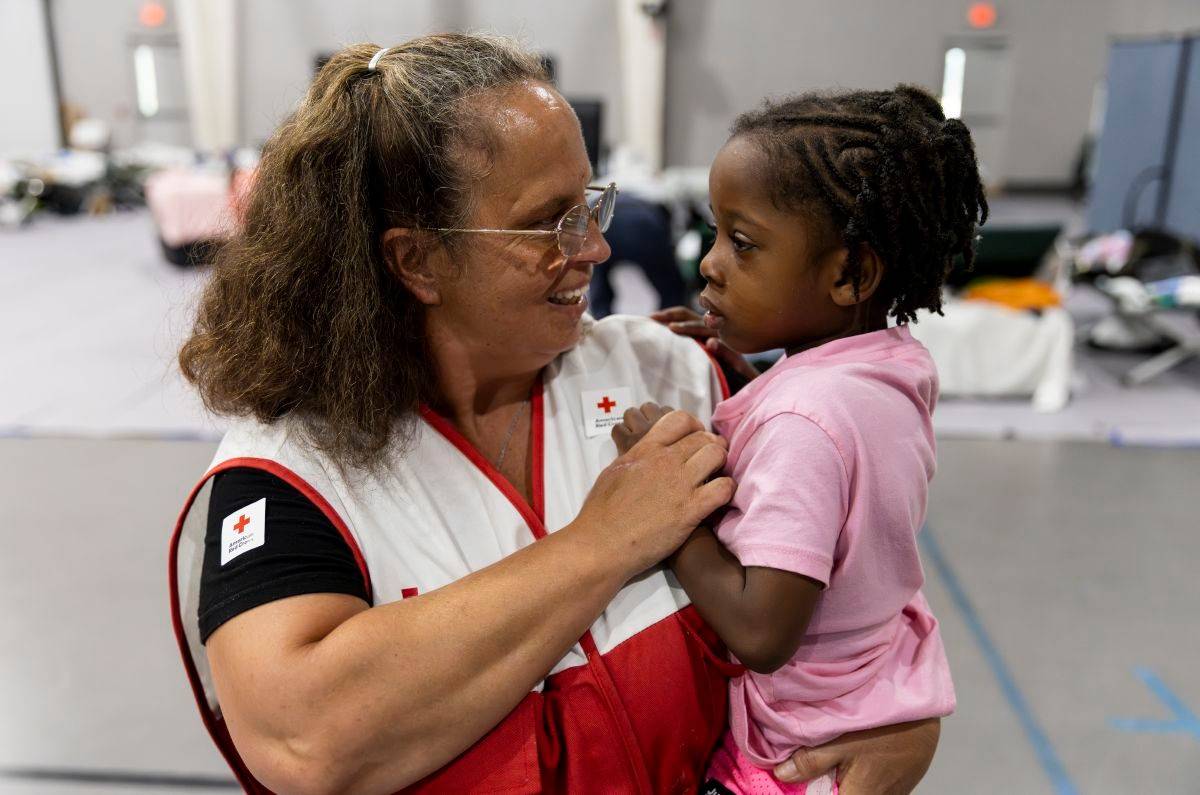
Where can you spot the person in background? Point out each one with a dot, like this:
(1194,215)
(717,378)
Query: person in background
(641,236)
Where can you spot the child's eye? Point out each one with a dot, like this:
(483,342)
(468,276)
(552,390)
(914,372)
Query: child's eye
(739,244)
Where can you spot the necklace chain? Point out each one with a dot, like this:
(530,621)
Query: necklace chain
(512,426)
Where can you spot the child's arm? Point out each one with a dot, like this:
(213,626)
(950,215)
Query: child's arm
(759,613)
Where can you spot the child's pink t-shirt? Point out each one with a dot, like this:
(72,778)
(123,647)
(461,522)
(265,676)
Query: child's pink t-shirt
(832,450)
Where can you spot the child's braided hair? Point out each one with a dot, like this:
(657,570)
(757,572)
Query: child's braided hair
(889,170)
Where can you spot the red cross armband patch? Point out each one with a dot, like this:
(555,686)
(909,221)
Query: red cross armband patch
(243,530)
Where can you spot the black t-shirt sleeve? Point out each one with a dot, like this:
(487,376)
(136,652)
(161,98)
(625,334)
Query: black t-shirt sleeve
(302,552)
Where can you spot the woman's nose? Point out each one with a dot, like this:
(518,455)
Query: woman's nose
(595,248)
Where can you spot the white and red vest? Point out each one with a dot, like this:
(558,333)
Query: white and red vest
(640,701)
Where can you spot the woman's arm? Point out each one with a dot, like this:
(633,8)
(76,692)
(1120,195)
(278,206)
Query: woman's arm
(759,613)
(323,694)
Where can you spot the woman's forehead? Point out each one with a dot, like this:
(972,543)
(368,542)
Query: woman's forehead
(524,106)
(539,145)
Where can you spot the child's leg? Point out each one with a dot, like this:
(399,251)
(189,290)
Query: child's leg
(731,773)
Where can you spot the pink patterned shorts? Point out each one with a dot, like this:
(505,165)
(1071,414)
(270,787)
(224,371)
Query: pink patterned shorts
(731,773)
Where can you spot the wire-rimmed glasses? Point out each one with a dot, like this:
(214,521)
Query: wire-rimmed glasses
(572,229)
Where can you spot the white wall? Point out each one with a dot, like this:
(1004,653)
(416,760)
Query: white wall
(96,67)
(281,37)
(723,56)
(27,99)
(580,34)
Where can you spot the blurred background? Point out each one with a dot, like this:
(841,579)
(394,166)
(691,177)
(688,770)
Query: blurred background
(1063,530)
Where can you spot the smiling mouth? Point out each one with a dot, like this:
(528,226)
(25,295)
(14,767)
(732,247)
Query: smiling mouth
(569,297)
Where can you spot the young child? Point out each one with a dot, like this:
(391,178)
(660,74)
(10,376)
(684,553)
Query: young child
(833,212)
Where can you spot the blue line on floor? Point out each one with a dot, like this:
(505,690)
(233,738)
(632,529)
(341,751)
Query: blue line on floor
(1117,439)
(1046,755)
(1185,721)
(122,777)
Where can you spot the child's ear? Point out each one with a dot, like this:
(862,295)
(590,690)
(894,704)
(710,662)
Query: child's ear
(870,276)
(408,258)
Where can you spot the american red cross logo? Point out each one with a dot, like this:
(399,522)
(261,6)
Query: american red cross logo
(240,524)
(607,404)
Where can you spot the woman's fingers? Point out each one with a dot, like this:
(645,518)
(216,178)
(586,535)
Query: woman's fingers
(673,314)
(636,423)
(654,412)
(692,328)
(890,759)
(713,495)
(809,763)
(704,462)
(683,321)
(672,427)
(688,446)
(687,323)
(731,358)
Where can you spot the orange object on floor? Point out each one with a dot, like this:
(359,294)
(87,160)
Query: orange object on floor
(1014,293)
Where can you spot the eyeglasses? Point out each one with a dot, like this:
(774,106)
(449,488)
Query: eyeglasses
(572,229)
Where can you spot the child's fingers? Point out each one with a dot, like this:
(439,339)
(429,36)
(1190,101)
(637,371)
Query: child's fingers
(636,421)
(620,433)
(655,412)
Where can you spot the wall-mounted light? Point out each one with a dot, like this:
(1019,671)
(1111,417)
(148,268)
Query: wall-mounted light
(952,82)
(147,80)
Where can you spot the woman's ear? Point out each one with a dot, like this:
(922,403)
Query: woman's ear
(870,277)
(407,257)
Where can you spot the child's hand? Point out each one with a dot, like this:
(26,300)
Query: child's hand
(688,323)
(636,422)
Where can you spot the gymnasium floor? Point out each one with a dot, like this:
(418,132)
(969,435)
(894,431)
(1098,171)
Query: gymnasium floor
(1062,571)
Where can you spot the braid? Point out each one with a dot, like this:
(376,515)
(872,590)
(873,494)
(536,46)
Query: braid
(887,170)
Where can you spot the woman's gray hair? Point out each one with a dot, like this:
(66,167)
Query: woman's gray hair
(420,103)
(302,314)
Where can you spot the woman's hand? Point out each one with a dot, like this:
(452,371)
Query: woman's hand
(647,502)
(886,761)
(688,323)
(636,423)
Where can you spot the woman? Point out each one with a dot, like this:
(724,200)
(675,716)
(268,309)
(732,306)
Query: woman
(399,331)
